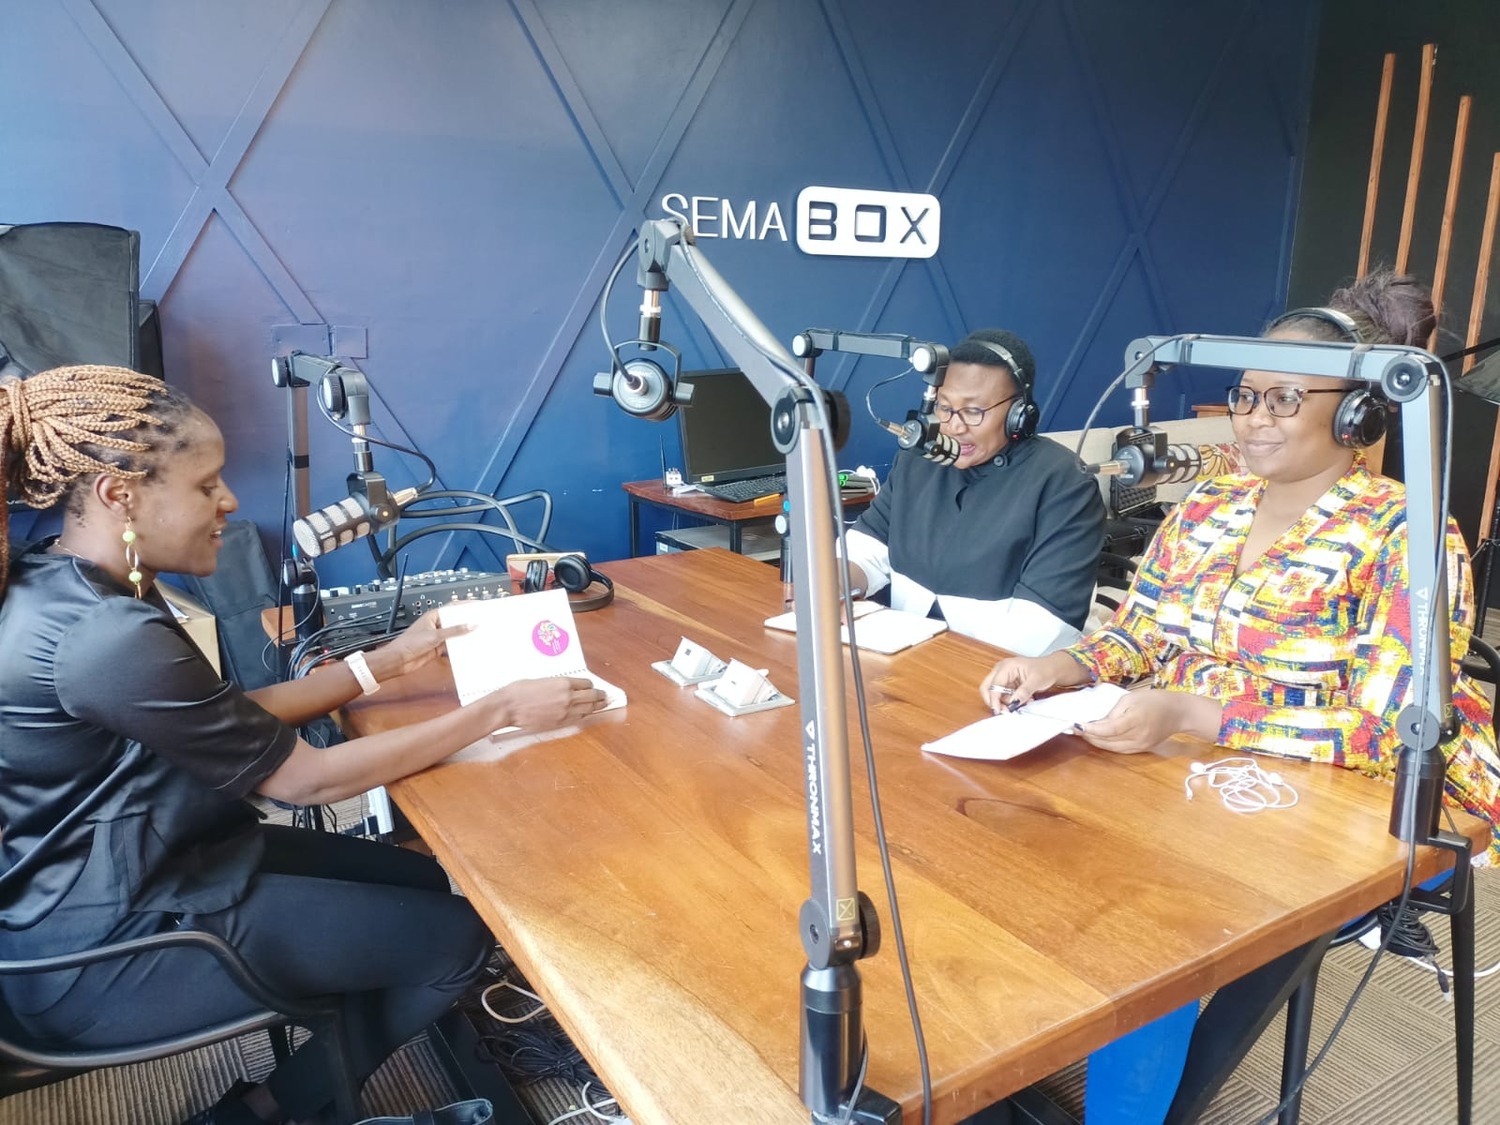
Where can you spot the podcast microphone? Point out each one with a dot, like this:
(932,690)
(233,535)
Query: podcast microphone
(919,432)
(1143,458)
(368,508)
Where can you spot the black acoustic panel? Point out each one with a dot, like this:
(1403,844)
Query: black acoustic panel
(68,294)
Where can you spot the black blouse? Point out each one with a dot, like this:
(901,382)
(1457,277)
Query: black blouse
(124,761)
(1028,524)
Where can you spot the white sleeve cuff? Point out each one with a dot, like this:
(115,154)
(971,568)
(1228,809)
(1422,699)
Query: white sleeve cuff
(1014,624)
(871,556)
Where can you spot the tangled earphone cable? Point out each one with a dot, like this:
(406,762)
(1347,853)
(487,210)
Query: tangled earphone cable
(1242,785)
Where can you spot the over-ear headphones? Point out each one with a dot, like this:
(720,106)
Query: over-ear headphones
(574,574)
(1023,416)
(1360,418)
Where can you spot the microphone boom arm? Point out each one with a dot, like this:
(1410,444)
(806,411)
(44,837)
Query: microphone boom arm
(832,922)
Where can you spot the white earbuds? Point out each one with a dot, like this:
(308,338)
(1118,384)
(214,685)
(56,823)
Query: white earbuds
(1242,785)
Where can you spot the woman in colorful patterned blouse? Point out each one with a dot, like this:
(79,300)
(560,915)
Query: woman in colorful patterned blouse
(1271,608)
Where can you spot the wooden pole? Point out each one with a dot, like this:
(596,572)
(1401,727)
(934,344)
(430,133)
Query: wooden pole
(1377,154)
(1450,205)
(1476,320)
(1418,148)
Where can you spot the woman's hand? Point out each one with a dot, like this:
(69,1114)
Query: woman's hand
(421,643)
(1144,719)
(550,702)
(1013,682)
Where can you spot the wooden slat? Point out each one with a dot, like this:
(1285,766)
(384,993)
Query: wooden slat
(1476,326)
(1450,205)
(1418,150)
(1377,156)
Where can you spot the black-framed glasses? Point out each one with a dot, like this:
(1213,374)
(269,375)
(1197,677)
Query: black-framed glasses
(971,415)
(1281,402)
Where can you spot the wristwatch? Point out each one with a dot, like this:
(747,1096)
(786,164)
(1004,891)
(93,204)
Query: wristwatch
(361,669)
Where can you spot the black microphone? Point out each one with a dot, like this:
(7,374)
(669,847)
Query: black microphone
(364,511)
(1143,458)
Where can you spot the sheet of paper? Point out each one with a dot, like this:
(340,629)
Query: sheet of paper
(1008,735)
(877,628)
(521,637)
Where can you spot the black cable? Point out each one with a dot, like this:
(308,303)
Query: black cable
(343,429)
(390,622)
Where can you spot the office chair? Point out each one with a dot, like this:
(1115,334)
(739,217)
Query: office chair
(1482,663)
(26,1065)
(1115,574)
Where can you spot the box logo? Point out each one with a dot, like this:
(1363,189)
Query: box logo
(861,223)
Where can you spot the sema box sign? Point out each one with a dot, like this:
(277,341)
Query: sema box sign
(846,222)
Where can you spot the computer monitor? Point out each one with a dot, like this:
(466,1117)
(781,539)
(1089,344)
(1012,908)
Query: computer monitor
(726,430)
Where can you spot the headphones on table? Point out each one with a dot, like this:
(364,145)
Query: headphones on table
(1360,419)
(574,574)
(1023,416)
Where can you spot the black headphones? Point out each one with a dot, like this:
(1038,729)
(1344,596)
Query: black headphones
(1359,420)
(574,575)
(1022,417)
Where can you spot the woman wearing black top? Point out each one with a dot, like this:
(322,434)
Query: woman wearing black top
(125,761)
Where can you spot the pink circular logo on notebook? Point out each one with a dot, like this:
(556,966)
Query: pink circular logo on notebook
(549,639)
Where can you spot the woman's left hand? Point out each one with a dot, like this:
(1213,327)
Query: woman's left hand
(421,643)
(1144,719)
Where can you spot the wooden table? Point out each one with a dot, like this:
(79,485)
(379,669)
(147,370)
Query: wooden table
(702,506)
(646,871)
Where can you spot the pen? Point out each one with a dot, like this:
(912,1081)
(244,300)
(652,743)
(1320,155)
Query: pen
(774,498)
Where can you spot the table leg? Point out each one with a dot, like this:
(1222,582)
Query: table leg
(1231,1023)
(1462,933)
(635,527)
(734,538)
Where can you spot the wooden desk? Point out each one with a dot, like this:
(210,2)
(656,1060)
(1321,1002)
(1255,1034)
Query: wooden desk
(646,871)
(701,505)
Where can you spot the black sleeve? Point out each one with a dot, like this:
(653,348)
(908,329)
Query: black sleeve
(1060,570)
(128,669)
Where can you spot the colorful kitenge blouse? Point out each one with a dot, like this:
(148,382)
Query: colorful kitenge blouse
(1309,649)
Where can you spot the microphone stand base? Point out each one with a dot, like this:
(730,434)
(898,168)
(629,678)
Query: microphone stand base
(873,1108)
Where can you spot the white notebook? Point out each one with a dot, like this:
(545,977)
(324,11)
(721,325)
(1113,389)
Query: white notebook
(877,628)
(521,637)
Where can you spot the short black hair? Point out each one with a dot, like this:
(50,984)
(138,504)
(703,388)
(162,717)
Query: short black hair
(972,349)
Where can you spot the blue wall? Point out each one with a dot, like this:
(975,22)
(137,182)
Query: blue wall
(438,189)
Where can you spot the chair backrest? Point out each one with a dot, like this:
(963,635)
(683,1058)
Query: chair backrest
(1483,663)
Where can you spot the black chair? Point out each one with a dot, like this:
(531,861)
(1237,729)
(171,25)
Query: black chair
(26,1064)
(1481,663)
(1115,573)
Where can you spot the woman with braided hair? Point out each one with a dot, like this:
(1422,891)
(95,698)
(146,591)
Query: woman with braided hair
(125,762)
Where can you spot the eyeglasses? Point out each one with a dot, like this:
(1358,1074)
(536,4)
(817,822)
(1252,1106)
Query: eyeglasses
(971,415)
(1281,402)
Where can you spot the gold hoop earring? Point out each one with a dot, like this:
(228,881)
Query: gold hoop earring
(132,556)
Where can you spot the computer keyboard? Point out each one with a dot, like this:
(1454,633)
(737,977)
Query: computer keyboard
(738,491)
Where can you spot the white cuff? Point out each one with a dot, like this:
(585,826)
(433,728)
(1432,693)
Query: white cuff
(361,669)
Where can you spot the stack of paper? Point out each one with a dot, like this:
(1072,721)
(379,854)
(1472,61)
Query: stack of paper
(1009,734)
(522,637)
(877,628)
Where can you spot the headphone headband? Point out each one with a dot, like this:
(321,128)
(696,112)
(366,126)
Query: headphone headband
(1021,374)
(1336,317)
(1023,416)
